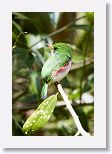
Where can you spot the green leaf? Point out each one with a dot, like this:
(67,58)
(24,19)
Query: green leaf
(90,16)
(75,94)
(76,58)
(24,58)
(17,26)
(40,116)
(34,83)
(20,16)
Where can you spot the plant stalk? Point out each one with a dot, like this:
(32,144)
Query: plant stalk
(72,112)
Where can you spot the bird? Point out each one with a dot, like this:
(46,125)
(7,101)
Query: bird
(57,66)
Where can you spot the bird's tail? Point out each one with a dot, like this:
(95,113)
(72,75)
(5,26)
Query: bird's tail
(44,91)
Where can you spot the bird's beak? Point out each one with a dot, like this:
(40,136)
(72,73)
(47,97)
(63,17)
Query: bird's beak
(50,46)
(52,49)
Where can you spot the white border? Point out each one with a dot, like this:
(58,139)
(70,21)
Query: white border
(96,141)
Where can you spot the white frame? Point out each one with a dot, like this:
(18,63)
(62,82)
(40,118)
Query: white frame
(99,138)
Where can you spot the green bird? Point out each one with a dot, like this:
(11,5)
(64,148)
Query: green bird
(57,66)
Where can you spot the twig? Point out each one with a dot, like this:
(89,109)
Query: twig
(81,64)
(17,39)
(72,112)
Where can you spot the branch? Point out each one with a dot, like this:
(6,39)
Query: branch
(57,31)
(72,112)
(81,64)
(34,105)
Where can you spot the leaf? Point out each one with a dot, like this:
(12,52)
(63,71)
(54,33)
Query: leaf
(90,16)
(34,83)
(40,116)
(17,26)
(24,58)
(75,94)
(76,58)
(20,16)
(35,22)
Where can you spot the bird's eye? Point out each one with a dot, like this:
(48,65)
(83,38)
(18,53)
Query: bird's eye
(55,48)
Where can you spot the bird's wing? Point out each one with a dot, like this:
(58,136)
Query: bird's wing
(52,64)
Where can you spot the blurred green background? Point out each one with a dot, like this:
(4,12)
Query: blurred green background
(29,53)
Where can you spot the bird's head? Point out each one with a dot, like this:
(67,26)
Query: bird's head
(61,48)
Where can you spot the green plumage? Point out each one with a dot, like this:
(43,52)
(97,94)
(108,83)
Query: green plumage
(62,48)
(44,90)
(52,64)
(61,57)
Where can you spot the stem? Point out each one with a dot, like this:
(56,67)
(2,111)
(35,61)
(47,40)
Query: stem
(17,39)
(72,112)
(77,134)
